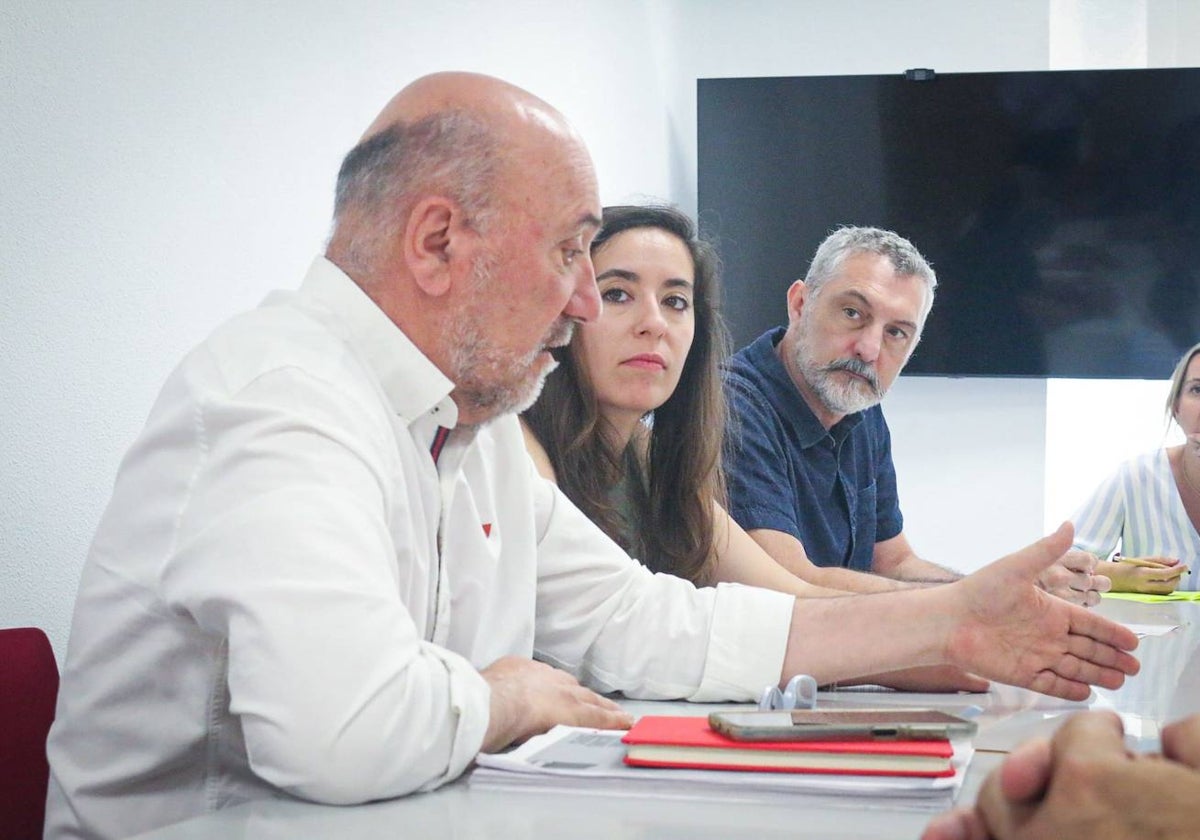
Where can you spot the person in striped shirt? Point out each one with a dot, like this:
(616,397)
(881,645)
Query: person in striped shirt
(1149,508)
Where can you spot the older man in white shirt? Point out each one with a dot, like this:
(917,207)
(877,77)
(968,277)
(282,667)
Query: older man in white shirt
(329,570)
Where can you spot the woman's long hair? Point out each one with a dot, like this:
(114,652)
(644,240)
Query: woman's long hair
(673,492)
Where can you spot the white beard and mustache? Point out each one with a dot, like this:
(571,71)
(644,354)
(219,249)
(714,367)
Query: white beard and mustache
(839,394)
(490,379)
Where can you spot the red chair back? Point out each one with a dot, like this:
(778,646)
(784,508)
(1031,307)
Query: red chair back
(28,691)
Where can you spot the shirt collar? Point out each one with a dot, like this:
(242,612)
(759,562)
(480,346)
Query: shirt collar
(412,383)
(787,397)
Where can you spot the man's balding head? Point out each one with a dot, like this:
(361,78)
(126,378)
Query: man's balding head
(466,212)
(453,134)
(485,96)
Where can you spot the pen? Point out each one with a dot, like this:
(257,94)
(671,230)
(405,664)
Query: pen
(1137,561)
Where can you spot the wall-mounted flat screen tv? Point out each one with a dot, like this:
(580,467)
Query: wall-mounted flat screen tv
(1061,209)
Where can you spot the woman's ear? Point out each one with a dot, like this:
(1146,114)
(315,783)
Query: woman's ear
(434,243)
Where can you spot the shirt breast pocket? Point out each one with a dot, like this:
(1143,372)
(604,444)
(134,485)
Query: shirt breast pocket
(863,527)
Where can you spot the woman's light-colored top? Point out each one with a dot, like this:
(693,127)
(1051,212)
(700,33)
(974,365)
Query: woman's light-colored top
(1139,507)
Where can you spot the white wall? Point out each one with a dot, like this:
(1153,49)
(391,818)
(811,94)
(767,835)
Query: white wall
(1096,424)
(169,161)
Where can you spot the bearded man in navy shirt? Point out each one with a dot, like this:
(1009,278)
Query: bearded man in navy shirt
(810,470)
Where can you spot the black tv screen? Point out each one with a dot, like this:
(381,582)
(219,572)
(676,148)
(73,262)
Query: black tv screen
(1061,209)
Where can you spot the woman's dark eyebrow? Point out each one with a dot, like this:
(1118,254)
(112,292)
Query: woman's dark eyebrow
(624,274)
(634,277)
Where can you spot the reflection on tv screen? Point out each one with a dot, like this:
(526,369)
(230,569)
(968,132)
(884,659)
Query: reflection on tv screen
(1061,210)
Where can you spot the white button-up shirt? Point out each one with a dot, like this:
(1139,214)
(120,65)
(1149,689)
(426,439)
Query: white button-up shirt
(286,595)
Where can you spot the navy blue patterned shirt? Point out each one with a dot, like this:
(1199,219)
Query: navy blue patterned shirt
(834,490)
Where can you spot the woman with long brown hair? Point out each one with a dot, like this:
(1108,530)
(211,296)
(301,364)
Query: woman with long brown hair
(631,424)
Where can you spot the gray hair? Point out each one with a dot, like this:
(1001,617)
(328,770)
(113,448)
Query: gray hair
(846,242)
(453,153)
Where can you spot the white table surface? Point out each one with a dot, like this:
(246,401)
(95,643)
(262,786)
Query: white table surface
(1167,688)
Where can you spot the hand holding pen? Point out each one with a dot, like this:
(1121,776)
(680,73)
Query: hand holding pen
(1151,575)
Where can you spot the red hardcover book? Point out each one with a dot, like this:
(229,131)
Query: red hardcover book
(687,742)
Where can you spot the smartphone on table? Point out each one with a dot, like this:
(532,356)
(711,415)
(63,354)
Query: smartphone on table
(841,725)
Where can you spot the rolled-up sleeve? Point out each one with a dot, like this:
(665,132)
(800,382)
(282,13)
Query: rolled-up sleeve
(617,626)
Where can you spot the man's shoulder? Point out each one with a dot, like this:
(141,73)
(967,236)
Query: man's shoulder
(271,338)
(328,329)
(754,371)
(751,399)
(874,418)
(871,428)
(757,355)
(281,356)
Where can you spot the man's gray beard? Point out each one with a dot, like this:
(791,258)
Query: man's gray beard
(481,370)
(838,396)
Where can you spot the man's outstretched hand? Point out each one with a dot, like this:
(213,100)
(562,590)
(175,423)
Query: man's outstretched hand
(1006,628)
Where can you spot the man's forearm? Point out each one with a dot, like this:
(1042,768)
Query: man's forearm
(849,580)
(789,553)
(866,627)
(913,569)
(994,623)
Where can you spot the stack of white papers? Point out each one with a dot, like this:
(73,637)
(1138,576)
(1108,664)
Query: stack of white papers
(591,761)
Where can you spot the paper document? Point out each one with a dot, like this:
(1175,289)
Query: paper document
(592,761)
(1141,630)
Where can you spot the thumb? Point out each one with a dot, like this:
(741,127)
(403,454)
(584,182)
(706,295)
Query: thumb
(1035,558)
(1181,741)
(1026,772)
